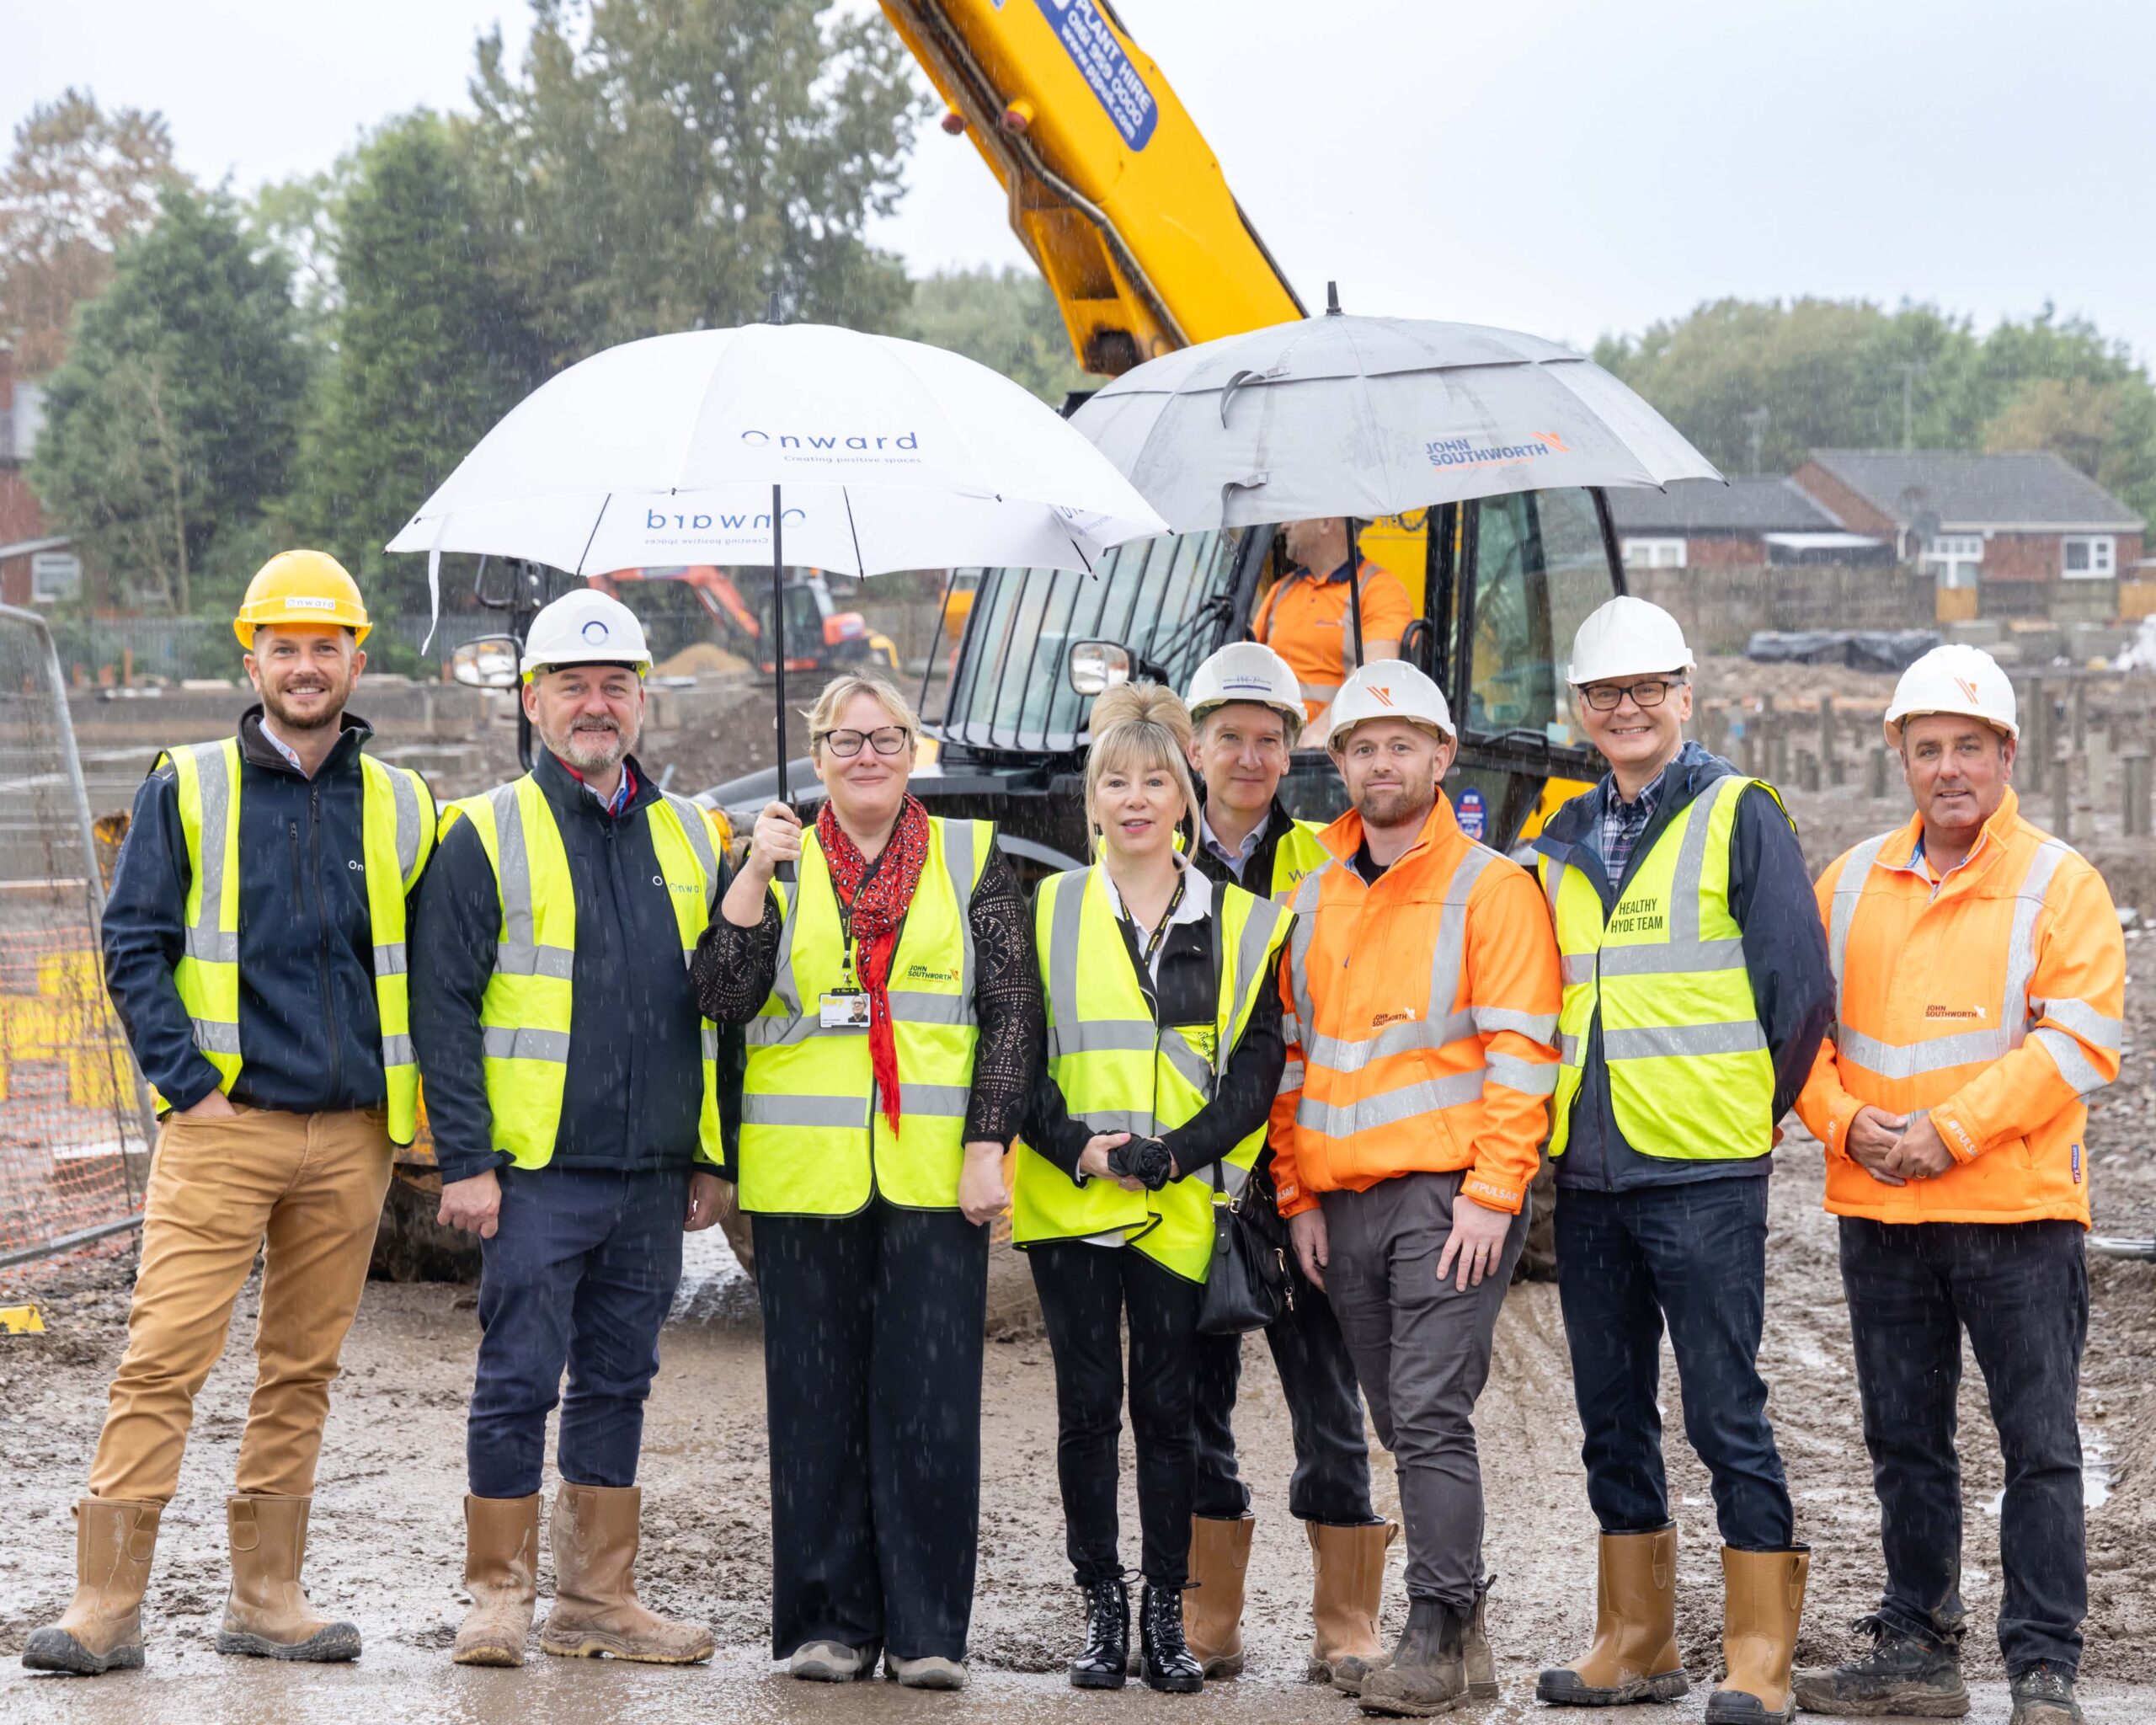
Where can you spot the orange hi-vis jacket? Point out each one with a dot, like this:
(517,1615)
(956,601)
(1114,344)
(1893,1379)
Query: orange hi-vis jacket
(1303,618)
(1995,1001)
(1419,1014)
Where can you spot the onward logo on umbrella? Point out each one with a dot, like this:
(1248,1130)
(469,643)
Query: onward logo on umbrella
(1465,453)
(836,448)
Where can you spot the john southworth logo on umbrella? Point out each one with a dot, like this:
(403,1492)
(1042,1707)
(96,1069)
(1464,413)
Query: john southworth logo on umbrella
(1465,453)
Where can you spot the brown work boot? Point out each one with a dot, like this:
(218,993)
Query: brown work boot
(596,1610)
(1634,1656)
(501,1573)
(266,1613)
(102,1628)
(1346,1592)
(1763,1603)
(1213,1608)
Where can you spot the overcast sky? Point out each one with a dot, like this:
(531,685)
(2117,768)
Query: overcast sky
(1570,167)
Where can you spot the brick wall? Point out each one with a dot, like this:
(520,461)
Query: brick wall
(1855,514)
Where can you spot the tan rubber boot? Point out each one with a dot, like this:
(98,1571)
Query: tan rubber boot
(102,1629)
(267,1616)
(596,1610)
(1634,1657)
(1213,1608)
(1762,1603)
(1346,1592)
(501,1573)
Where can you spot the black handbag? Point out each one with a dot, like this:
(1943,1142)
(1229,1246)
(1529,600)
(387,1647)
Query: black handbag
(1247,1286)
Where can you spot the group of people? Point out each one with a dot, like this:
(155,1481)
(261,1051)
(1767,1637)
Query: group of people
(1361,1039)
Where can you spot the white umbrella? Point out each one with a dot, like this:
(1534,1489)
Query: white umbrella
(856,453)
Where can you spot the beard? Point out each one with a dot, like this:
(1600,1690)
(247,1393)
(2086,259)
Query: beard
(288,719)
(1396,806)
(592,746)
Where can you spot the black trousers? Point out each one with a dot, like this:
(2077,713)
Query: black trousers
(1331,1479)
(1086,1293)
(873,1332)
(2021,1290)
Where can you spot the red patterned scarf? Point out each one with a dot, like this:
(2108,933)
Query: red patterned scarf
(878,895)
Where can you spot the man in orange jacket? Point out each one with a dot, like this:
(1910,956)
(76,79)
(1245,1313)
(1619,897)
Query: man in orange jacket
(1421,989)
(1980,978)
(1307,618)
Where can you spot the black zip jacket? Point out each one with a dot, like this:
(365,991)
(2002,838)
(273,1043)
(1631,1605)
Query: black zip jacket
(310,1036)
(635,1085)
(1257,872)
(1784,955)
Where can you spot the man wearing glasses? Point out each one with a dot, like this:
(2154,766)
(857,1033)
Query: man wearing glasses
(1696,990)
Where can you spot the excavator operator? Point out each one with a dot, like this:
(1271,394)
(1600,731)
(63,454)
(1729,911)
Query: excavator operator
(1306,617)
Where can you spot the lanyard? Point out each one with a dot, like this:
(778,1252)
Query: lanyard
(1161,930)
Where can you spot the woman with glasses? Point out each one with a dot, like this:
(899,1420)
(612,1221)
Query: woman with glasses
(892,1022)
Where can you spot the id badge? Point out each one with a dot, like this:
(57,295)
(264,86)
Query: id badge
(844,1009)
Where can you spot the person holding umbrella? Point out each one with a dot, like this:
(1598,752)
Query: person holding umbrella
(893,1024)
(1307,616)
(1163,1053)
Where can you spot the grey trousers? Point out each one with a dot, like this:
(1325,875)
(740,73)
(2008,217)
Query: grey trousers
(1421,1349)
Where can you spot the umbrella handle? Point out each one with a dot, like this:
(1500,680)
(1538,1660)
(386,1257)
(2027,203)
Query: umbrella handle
(1354,590)
(778,636)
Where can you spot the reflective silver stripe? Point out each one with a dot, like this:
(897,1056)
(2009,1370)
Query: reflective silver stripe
(1941,1053)
(1671,958)
(1063,955)
(1319,691)
(698,831)
(515,868)
(1291,1028)
(1528,1077)
(2021,943)
(1136,1122)
(208,946)
(1578,968)
(1553,878)
(1661,1041)
(1848,889)
(1298,943)
(405,796)
(916,1007)
(1351,1054)
(709,1032)
(842,1112)
(213,787)
(960,864)
(2083,1020)
(499,1042)
(932,1102)
(1535,1027)
(1189,1065)
(1291,1077)
(778,1030)
(1102,1036)
(557,962)
(1568,1050)
(2074,1065)
(212,1038)
(389,958)
(1692,866)
(1250,958)
(1234,1177)
(1390,1107)
(396,1052)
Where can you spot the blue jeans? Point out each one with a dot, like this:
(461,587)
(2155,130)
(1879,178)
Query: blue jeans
(579,1276)
(1696,1256)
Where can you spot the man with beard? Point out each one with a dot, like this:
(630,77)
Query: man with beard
(573,1092)
(1421,991)
(253,946)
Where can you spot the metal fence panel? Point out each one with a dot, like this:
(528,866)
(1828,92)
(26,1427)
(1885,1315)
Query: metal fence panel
(73,1108)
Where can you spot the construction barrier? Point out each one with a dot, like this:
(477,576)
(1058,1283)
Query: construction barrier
(75,1120)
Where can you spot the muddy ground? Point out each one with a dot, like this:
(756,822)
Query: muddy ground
(387,1528)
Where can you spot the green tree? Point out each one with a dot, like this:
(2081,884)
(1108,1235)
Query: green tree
(429,350)
(666,165)
(1007,319)
(175,415)
(79,182)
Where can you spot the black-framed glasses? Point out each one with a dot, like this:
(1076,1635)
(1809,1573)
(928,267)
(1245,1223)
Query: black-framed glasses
(1607,698)
(884,740)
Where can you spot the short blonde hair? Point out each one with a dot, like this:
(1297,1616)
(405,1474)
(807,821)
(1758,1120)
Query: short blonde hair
(1140,727)
(839,694)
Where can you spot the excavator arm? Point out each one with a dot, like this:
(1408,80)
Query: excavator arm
(1111,186)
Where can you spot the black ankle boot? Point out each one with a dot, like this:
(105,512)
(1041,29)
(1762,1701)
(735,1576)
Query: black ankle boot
(1168,1663)
(1107,1636)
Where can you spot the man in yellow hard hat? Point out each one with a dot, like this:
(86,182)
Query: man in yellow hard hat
(254,948)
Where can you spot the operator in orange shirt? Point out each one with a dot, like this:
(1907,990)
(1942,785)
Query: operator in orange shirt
(1305,617)
(1981,981)
(1421,992)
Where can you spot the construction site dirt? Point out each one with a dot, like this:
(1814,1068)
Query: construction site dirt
(387,1533)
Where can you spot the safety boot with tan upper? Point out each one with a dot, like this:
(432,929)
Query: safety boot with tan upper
(1346,1591)
(595,1610)
(1762,1603)
(501,1573)
(102,1628)
(266,1613)
(1634,1657)
(1213,1607)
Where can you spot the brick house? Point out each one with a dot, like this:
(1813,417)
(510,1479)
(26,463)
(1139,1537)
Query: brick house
(36,565)
(1747,523)
(2018,534)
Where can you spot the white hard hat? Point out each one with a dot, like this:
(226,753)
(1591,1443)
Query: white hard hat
(1626,637)
(1246,671)
(1953,679)
(1388,688)
(585,627)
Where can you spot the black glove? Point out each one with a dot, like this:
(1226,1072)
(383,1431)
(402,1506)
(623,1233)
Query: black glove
(1144,1160)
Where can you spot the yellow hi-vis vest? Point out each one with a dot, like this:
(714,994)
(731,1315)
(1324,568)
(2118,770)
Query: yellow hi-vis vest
(1690,1076)
(1121,1072)
(524,1015)
(814,1141)
(397,828)
(1298,853)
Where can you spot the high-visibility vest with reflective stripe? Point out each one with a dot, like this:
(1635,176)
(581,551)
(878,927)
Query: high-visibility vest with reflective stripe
(524,1015)
(1299,853)
(1119,1071)
(1690,1076)
(397,837)
(1319,695)
(814,1141)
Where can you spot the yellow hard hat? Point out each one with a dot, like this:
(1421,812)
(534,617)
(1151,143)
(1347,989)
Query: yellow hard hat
(301,587)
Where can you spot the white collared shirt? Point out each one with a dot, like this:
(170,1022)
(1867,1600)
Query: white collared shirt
(1196,905)
(1237,860)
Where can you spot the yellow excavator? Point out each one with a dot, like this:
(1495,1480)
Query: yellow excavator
(1121,203)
